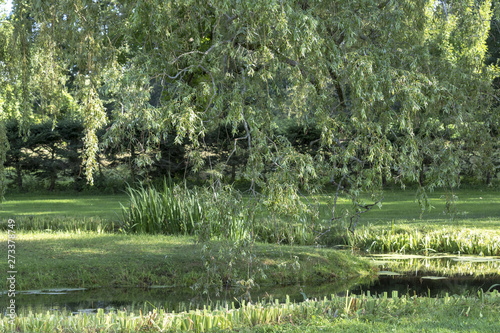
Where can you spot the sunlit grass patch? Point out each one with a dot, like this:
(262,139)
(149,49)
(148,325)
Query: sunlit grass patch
(405,239)
(91,259)
(62,223)
(55,205)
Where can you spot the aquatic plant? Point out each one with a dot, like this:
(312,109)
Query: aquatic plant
(415,240)
(329,311)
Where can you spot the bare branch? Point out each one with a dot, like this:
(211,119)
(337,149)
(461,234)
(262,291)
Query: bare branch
(184,70)
(213,86)
(443,2)
(367,208)
(188,53)
(303,71)
(234,149)
(335,200)
(248,133)
(231,19)
(382,5)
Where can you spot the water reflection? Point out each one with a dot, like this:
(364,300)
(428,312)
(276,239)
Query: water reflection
(169,298)
(437,264)
(434,275)
(408,274)
(430,286)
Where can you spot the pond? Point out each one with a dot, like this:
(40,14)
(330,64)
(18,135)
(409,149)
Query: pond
(402,273)
(433,275)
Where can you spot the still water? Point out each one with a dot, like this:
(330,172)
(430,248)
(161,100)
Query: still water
(182,299)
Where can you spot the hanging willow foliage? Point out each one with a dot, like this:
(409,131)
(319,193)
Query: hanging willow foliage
(4,146)
(391,85)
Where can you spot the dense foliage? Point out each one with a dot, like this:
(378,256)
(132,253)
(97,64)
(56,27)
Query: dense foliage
(397,90)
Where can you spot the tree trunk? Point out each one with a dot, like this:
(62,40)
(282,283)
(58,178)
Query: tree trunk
(421,176)
(132,161)
(53,171)
(19,175)
(233,173)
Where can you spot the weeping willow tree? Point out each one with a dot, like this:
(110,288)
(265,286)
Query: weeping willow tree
(392,85)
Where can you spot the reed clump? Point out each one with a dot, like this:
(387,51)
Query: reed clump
(171,210)
(415,240)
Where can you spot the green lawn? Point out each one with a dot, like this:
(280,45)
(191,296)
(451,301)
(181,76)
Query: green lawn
(475,208)
(90,259)
(386,229)
(53,257)
(91,256)
(71,205)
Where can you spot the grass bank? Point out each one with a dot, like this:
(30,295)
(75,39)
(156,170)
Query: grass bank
(72,244)
(383,313)
(91,259)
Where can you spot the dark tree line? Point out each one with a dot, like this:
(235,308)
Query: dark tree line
(52,153)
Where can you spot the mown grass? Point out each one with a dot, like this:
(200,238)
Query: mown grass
(398,226)
(477,208)
(91,259)
(78,249)
(365,313)
(472,227)
(73,243)
(56,205)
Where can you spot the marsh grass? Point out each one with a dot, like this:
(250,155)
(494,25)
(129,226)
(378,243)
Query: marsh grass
(405,239)
(381,312)
(176,210)
(172,210)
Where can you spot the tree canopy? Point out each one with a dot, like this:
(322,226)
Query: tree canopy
(390,85)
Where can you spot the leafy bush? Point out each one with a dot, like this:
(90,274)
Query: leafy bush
(225,215)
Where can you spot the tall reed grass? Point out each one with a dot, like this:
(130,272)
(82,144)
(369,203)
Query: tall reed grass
(413,240)
(178,210)
(173,210)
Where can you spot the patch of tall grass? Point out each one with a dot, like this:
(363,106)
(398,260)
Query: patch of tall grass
(175,209)
(172,210)
(415,240)
(331,311)
(279,231)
